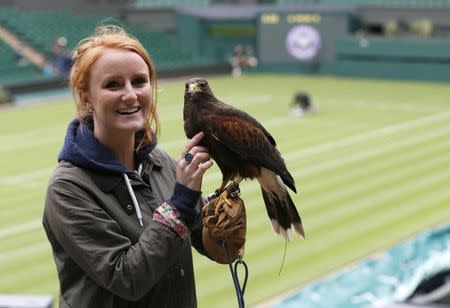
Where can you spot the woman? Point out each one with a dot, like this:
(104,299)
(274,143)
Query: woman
(120,214)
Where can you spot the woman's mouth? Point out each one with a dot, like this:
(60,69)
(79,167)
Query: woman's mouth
(127,111)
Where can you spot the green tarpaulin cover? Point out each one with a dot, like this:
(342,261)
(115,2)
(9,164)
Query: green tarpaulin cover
(390,277)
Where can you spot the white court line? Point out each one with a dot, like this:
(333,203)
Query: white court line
(381,132)
(27,250)
(25,178)
(388,105)
(394,106)
(32,138)
(360,155)
(248,101)
(23,227)
(30,144)
(331,181)
(30,134)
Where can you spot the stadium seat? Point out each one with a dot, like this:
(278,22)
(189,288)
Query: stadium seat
(42,28)
(11,71)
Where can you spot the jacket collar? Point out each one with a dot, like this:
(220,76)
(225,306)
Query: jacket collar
(84,150)
(108,182)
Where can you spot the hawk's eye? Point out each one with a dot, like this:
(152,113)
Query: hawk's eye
(186,86)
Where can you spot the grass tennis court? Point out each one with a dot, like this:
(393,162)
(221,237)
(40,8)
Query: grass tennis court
(372,166)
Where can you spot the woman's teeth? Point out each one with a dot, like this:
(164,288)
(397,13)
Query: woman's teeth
(128,110)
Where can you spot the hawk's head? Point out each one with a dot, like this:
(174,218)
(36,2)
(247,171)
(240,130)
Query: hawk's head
(197,87)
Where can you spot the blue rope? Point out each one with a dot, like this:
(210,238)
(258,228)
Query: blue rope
(239,291)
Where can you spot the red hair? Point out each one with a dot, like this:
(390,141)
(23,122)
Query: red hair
(88,51)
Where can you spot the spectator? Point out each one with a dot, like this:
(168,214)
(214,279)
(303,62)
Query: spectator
(62,57)
(242,57)
(48,70)
(19,57)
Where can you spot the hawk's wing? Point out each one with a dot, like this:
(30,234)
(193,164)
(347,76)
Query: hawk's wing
(245,136)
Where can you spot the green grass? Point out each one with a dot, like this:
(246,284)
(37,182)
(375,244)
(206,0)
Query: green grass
(372,167)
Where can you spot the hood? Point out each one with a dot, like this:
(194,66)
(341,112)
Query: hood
(82,149)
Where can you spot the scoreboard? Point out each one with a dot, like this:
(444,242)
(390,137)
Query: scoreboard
(300,36)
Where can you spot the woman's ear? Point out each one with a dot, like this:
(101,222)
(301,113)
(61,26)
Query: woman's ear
(84,97)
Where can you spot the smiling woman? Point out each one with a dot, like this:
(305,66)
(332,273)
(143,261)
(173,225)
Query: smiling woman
(119,98)
(121,76)
(121,215)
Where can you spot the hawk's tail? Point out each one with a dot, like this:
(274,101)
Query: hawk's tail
(281,209)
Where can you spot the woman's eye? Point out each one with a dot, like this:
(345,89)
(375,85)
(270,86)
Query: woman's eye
(140,81)
(112,85)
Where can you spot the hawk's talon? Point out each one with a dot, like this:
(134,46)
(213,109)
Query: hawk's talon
(234,195)
(234,190)
(212,196)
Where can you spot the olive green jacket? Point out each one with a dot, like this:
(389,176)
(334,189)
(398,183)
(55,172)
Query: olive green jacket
(103,257)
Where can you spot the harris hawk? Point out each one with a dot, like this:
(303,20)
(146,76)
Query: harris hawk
(242,149)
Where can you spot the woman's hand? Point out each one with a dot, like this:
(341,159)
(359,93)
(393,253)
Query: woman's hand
(190,174)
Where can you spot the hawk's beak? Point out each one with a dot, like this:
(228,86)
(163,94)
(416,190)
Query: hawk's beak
(193,88)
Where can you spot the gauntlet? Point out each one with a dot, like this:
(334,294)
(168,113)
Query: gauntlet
(225,226)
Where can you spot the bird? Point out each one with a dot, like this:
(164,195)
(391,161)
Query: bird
(243,149)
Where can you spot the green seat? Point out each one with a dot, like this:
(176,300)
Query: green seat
(41,29)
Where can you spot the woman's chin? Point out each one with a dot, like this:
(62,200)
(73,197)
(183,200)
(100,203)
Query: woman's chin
(133,126)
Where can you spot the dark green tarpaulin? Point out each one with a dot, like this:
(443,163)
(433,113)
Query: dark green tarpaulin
(394,276)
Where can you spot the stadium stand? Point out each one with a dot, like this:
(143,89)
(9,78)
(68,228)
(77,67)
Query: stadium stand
(379,3)
(166,51)
(201,34)
(41,28)
(11,71)
(170,3)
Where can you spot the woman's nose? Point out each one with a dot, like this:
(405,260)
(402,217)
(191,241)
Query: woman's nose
(129,95)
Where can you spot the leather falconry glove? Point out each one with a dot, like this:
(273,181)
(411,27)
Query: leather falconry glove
(225,226)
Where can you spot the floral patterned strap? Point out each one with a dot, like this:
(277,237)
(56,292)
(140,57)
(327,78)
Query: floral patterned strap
(167,215)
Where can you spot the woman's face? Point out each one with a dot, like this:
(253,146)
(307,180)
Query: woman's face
(120,94)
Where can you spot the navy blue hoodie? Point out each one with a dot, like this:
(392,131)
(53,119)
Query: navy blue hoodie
(82,149)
